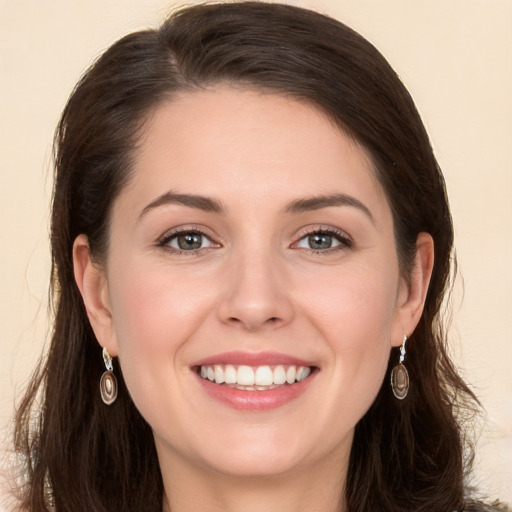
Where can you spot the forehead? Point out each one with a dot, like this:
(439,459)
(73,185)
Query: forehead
(251,143)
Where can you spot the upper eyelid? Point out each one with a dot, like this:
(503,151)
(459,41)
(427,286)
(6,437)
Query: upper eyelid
(187,229)
(176,234)
(310,230)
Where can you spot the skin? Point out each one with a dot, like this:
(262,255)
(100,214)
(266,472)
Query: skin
(254,286)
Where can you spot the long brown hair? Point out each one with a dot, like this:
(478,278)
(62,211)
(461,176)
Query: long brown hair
(81,455)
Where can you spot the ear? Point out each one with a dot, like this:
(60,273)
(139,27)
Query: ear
(412,294)
(92,283)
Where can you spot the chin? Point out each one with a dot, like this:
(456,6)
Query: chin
(265,452)
(249,464)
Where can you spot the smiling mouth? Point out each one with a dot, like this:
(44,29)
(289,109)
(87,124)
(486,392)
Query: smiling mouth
(254,378)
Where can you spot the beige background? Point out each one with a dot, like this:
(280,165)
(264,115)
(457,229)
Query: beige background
(456,59)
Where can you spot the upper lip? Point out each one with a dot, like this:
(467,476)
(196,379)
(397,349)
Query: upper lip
(238,358)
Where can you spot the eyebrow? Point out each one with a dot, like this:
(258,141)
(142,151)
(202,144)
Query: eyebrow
(192,201)
(318,202)
(298,206)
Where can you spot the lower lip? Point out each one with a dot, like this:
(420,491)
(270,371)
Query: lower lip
(256,400)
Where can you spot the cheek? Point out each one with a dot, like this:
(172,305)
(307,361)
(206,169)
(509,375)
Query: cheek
(358,302)
(356,316)
(153,311)
(154,317)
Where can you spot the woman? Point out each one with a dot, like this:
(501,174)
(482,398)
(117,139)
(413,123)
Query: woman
(251,242)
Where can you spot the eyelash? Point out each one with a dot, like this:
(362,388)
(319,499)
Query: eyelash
(165,241)
(344,242)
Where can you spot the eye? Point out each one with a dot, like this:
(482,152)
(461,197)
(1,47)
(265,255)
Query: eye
(187,241)
(318,241)
(323,240)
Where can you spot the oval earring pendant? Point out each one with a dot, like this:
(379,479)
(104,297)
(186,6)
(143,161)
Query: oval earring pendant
(108,387)
(400,381)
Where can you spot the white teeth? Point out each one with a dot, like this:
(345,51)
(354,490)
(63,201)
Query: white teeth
(290,374)
(279,375)
(302,373)
(245,376)
(230,374)
(264,376)
(258,378)
(219,374)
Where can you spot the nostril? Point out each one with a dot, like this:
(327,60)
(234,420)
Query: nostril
(270,320)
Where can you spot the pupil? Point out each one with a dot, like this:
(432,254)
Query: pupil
(189,241)
(320,241)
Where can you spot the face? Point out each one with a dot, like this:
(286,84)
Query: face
(251,289)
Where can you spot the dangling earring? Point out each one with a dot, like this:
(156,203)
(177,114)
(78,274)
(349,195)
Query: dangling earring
(400,375)
(108,381)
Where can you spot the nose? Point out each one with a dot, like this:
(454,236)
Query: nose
(256,294)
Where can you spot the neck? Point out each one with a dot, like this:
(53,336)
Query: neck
(188,489)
